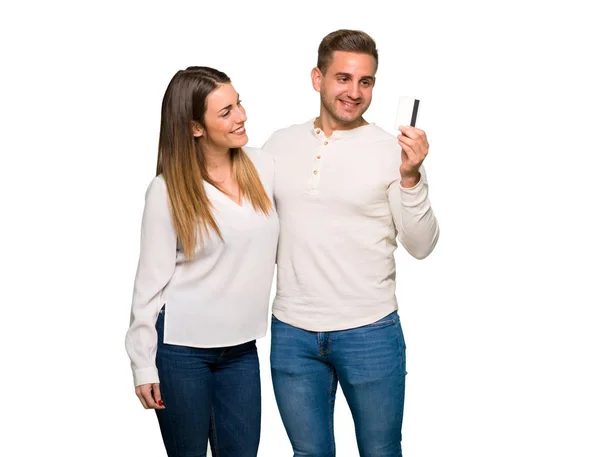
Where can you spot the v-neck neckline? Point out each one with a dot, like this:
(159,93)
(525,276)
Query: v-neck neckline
(233,202)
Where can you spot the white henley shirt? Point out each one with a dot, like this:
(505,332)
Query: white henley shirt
(341,207)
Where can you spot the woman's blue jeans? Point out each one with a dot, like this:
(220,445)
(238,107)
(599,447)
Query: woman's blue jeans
(370,365)
(208,393)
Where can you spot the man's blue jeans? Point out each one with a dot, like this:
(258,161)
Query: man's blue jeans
(208,392)
(369,362)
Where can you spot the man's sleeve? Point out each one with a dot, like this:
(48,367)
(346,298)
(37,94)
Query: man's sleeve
(417,226)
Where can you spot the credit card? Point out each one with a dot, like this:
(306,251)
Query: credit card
(408,112)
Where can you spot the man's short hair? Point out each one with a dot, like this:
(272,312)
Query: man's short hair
(348,41)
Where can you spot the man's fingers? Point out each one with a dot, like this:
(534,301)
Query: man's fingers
(416,150)
(411,132)
(406,140)
(409,151)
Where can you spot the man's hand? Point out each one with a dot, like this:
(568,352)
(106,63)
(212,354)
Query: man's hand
(149,395)
(414,150)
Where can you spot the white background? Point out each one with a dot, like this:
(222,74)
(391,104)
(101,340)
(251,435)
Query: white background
(501,320)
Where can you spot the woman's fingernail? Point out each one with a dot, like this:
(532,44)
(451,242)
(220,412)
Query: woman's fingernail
(160,403)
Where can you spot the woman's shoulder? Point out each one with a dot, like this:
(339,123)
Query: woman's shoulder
(157,189)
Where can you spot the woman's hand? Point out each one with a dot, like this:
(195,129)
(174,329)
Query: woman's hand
(149,395)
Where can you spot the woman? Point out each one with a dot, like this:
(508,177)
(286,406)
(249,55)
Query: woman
(207,257)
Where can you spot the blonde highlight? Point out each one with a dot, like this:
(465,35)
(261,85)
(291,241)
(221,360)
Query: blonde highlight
(182,164)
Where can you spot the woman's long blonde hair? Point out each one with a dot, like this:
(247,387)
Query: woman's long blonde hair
(183,165)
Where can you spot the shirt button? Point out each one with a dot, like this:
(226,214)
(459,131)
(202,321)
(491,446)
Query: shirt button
(326,143)
(317,131)
(315,172)
(318,157)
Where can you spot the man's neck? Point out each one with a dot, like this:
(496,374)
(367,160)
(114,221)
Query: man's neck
(329,125)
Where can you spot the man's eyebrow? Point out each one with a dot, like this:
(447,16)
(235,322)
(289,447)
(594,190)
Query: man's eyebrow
(349,76)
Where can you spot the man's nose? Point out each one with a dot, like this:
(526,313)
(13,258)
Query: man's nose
(354,91)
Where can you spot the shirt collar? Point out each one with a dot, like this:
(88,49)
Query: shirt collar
(339,134)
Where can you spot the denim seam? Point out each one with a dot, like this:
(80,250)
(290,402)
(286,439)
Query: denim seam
(320,344)
(215,448)
(330,415)
(400,348)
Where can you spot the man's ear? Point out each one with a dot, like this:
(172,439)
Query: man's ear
(197,129)
(317,78)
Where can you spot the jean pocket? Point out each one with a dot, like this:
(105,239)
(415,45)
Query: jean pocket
(384,322)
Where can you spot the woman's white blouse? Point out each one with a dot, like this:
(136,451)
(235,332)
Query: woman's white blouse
(221,297)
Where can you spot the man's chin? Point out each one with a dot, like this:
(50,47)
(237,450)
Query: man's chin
(347,120)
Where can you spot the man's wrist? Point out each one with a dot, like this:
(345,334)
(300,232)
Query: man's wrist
(410,180)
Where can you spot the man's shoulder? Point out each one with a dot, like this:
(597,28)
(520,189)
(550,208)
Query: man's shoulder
(301,127)
(382,144)
(377,134)
(259,156)
(292,131)
(254,153)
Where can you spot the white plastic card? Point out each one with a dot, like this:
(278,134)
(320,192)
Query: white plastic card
(408,112)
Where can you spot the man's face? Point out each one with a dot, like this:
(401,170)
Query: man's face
(346,87)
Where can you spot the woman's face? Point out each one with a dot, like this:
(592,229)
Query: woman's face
(223,120)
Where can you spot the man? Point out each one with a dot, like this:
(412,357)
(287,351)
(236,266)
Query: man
(344,190)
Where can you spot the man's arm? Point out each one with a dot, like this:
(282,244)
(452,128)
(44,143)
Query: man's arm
(417,226)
